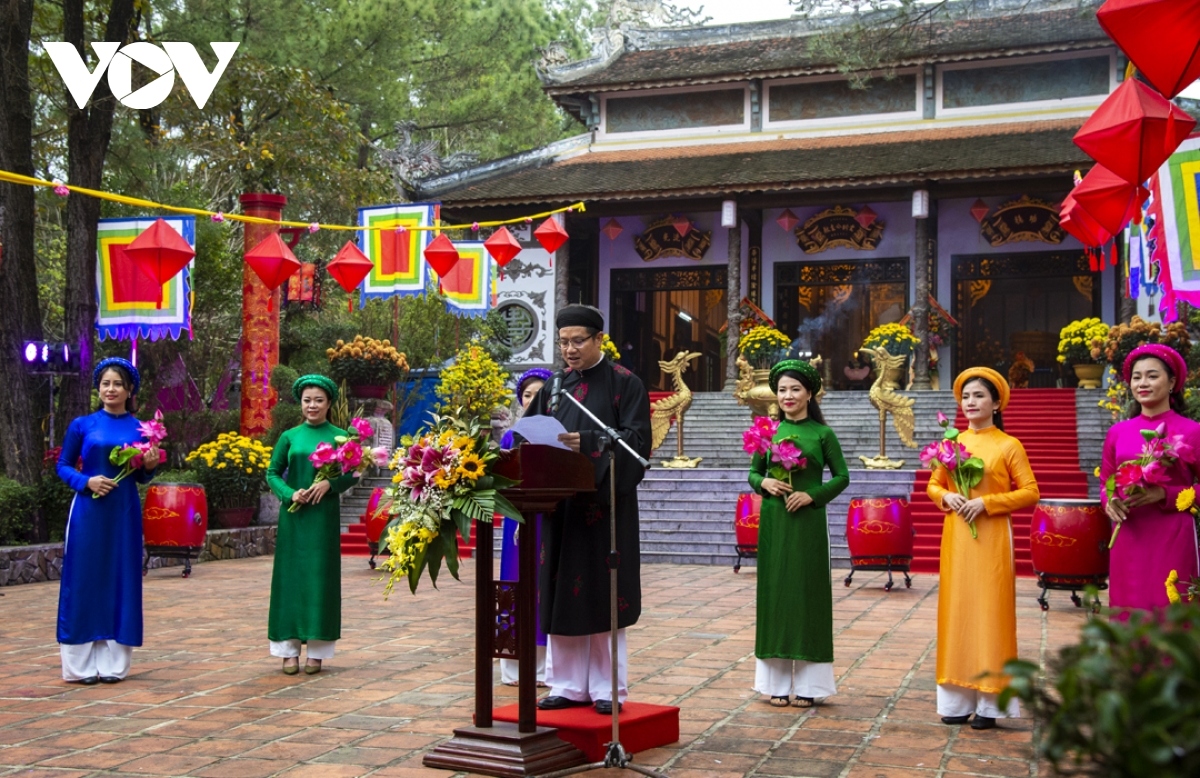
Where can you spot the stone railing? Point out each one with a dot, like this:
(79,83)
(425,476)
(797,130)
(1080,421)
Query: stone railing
(31,564)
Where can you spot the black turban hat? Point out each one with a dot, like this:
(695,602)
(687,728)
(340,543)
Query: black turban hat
(579,316)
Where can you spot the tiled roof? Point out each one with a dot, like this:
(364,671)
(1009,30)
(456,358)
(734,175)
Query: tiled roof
(945,154)
(742,56)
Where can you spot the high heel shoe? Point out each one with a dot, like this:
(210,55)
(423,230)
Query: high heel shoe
(311,669)
(291,669)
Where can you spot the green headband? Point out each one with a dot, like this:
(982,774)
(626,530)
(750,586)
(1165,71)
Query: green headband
(809,375)
(313,379)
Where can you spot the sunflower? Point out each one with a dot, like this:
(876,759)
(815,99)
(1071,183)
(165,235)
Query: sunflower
(470,466)
(464,443)
(444,480)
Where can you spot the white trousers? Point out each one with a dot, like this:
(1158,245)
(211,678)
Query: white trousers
(510,674)
(960,701)
(89,660)
(579,667)
(785,677)
(317,649)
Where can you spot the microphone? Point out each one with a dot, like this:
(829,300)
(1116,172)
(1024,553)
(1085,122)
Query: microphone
(555,391)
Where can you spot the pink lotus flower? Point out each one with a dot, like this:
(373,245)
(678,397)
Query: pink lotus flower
(947,454)
(788,454)
(757,439)
(942,420)
(1128,476)
(380,456)
(362,427)
(350,455)
(1155,472)
(154,431)
(324,454)
(929,454)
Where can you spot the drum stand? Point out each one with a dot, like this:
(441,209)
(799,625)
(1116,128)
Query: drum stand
(615,755)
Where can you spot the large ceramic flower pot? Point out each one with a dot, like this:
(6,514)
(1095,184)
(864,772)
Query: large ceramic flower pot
(235,518)
(1089,375)
(368,391)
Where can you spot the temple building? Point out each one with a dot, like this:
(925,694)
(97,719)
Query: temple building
(731,163)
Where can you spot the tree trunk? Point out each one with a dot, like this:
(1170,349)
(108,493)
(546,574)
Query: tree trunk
(89,131)
(20,319)
(920,309)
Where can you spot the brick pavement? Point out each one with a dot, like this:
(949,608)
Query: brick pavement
(205,699)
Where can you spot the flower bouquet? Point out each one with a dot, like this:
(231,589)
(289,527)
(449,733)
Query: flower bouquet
(784,457)
(130,456)
(1134,476)
(964,471)
(443,480)
(348,456)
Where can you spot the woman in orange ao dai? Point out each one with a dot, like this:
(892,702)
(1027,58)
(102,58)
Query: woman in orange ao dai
(977,602)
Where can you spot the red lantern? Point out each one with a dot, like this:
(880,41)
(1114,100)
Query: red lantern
(866,217)
(441,255)
(1075,220)
(1161,37)
(979,209)
(302,287)
(350,266)
(683,225)
(502,246)
(1108,198)
(160,252)
(612,228)
(272,261)
(551,235)
(1134,131)
(787,220)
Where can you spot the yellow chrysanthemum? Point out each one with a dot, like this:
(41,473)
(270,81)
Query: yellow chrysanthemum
(470,466)
(1172,592)
(1185,500)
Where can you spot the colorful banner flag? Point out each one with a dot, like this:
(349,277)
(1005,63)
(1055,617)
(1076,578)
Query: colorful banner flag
(468,285)
(127,299)
(397,256)
(1176,234)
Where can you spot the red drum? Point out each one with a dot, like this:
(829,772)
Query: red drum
(745,527)
(175,515)
(174,523)
(1068,543)
(880,534)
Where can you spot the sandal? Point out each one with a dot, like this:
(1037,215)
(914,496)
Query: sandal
(804,702)
(778,702)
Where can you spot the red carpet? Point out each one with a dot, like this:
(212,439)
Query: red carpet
(643,726)
(1044,421)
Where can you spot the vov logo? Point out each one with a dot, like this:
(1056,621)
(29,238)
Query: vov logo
(118,60)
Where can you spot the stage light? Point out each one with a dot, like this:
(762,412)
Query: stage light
(45,353)
(31,350)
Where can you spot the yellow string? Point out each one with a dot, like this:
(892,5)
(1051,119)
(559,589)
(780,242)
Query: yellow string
(137,202)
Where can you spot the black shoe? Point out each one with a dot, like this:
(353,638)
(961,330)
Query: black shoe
(109,679)
(86,681)
(953,720)
(604,707)
(559,703)
(982,722)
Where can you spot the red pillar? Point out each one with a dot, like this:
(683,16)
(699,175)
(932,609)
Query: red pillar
(260,321)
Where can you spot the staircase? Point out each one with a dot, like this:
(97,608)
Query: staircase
(354,511)
(1044,420)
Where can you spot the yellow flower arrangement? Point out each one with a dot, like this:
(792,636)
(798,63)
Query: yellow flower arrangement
(474,385)
(894,338)
(762,346)
(1172,592)
(1083,341)
(609,349)
(366,362)
(232,468)
(1117,396)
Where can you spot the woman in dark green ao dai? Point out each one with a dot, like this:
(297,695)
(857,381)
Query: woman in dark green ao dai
(794,638)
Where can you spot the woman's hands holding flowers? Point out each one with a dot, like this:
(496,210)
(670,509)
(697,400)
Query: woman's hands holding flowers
(776,487)
(101,485)
(797,500)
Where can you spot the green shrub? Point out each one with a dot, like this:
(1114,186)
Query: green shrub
(54,500)
(282,378)
(284,416)
(17,507)
(1124,701)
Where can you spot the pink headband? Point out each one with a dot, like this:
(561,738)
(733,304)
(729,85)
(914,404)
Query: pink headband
(1167,355)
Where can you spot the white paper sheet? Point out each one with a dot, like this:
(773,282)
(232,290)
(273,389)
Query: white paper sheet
(543,430)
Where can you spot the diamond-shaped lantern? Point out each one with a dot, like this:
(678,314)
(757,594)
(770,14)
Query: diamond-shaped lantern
(160,253)
(441,255)
(1134,131)
(612,228)
(683,225)
(1108,198)
(787,220)
(272,261)
(979,209)
(350,266)
(1078,222)
(1161,37)
(551,235)
(866,217)
(502,246)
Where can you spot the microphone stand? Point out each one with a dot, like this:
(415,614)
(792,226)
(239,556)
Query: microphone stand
(615,755)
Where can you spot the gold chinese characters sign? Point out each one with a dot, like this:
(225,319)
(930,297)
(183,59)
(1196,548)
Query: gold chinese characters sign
(662,238)
(840,226)
(1024,219)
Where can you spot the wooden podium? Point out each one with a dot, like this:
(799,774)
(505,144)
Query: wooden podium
(505,621)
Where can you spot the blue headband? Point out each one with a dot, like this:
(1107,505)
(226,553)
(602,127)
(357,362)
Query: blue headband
(534,374)
(124,364)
